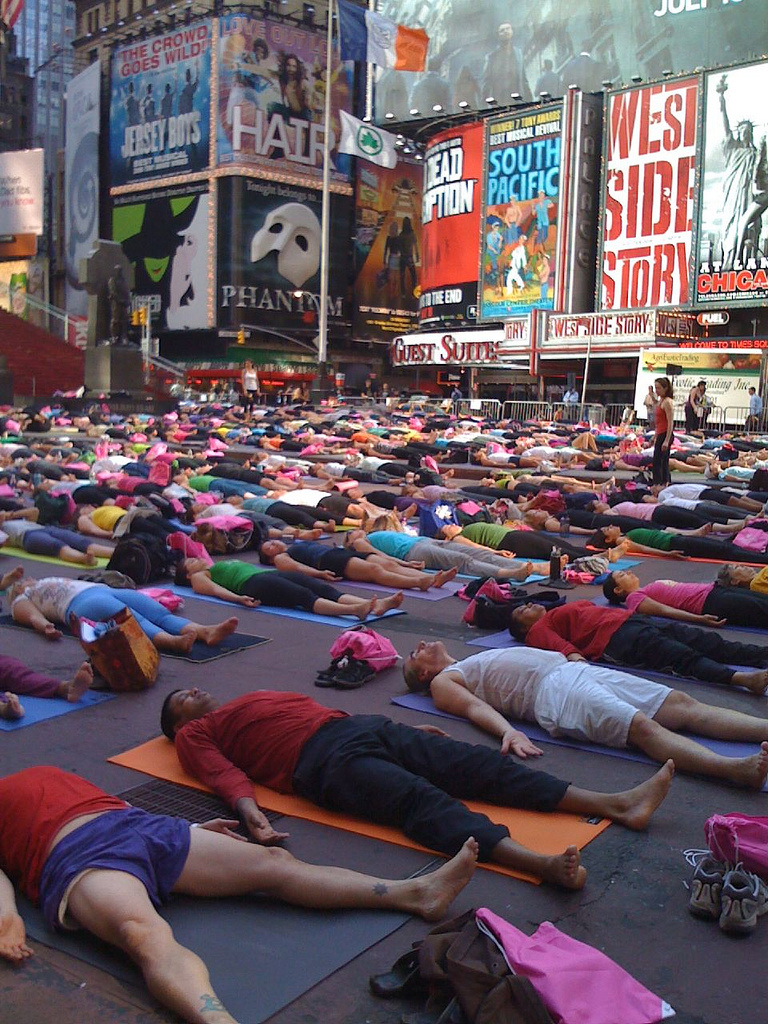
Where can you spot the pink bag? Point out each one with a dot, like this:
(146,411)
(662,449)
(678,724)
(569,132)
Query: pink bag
(190,548)
(172,602)
(366,645)
(751,539)
(739,837)
(160,473)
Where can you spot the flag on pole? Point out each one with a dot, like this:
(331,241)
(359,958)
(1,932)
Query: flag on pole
(367,141)
(367,36)
(9,11)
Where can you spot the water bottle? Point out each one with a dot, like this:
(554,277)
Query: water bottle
(565,525)
(554,564)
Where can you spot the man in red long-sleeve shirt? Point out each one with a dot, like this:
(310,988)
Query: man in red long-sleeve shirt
(372,767)
(583,631)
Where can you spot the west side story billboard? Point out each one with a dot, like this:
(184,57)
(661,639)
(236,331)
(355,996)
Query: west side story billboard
(651,140)
(159,117)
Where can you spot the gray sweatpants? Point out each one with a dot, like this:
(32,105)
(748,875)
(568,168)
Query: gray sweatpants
(444,554)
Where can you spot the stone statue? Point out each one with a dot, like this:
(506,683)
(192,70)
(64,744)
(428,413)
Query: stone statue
(119,305)
(95,272)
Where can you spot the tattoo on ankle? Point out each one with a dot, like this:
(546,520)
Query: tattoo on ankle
(380,889)
(211,1003)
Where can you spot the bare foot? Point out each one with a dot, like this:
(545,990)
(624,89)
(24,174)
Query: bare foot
(751,771)
(443,577)
(10,707)
(385,604)
(519,573)
(80,682)
(330,526)
(410,511)
(51,633)
(213,635)
(11,577)
(89,559)
(437,891)
(176,644)
(634,808)
(309,534)
(756,681)
(565,869)
(364,610)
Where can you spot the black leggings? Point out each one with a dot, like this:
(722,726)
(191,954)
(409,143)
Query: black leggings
(661,474)
(720,550)
(537,545)
(294,515)
(678,518)
(739,606)
(289,590)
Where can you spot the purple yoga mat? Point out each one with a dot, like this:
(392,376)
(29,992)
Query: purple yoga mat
(447,590)
(424,703)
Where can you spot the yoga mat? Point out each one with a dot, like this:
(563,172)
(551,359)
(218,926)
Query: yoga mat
(727,748)
(544,833)
(340,621)
(38,709)
(666,554)
(447,590)
(100,563)
(200,653)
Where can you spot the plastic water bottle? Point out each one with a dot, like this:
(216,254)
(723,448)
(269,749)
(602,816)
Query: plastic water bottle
(565,525)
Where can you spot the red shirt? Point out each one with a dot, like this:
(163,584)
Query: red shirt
(255,738)
(661,420)
(34,805)
(578,628)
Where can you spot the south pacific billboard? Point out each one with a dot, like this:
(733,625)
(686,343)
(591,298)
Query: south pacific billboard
(450,219)
(521,199)
(159,117)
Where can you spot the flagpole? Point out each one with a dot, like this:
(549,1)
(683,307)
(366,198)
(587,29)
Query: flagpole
(325,217)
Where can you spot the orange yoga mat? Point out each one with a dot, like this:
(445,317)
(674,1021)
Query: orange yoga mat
(544,833)
(688,558)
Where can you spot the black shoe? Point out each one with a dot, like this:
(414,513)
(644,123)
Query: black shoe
(352,675)
(402,980)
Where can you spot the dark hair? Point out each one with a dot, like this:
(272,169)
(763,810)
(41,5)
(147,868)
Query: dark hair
(517,629)
(260,45)
(666,383)
(702,383)
(598,539)
(264,558)
(167,720)
(611,591)
(181,576)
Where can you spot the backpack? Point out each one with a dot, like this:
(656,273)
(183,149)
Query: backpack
(221,535)
(493,603)
(143,559)
(54,509)
(434,517)
(357,655)
(470,512)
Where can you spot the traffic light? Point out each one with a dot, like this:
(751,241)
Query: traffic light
(135,318)
(143,316)
(241,336)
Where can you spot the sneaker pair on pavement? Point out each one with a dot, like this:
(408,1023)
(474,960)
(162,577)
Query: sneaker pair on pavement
(730,895)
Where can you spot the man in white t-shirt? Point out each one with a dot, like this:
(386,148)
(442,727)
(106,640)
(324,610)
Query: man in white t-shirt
(571,697)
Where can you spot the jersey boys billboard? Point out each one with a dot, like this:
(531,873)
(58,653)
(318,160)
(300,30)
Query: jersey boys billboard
(521,200)
(160,105)
(648,195)
(451,224)
(732,266)
(271,97)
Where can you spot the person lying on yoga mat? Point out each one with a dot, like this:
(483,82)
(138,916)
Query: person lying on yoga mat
(52,601)
(672,543)
(745,576)
(585,702)
(523,543)
(705,604)
(252,585)
(382,771)
(17,679)
(583,631)
(92,861)
(423,552)
(51,542)
(697,493)
(314,559)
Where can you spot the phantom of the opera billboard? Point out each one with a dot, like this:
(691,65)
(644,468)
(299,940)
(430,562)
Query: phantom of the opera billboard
(496,49)
(387,249)
(164,233)
(271,98)
(732,265)
(269,255)
(159,110)
(651,137)
(521,199)
(450,222)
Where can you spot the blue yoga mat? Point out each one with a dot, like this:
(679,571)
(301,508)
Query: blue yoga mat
(340,621)
(424,703)
(38,709)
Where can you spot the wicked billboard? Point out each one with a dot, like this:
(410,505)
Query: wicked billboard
(164,234)
(160,105)
(269,252)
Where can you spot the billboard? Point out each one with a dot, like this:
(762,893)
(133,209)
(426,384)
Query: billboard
(732,267)
(651,137)
(450,219)
(494,48)
(81,179)
(19,278)
(387,254)
(269,250)
(159,111)
(521,199)
(164,234)
(728,375)
(21,192)
(271,104)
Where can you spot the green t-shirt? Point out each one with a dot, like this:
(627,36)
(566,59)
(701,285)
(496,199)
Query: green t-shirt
(233,575)
(652,538)
(489,534)
(201,483)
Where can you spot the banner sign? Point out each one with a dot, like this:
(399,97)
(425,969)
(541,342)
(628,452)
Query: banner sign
(624,327)
(159,112)
(21,192)
(732,267)
(521,198)
(508,346)
(20,278)
(165,236)
(271,107)
(269,255)
(451,224)
(387,249)
(728,375)
(81,179)
(648,189)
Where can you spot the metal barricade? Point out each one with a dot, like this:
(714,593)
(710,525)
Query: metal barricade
(737,417)
(522,411)
(614,413)
(576,412)
(489,408)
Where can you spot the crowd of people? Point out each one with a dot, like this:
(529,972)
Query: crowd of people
(290,507)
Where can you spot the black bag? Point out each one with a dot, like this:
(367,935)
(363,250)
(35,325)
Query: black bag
(143,559)
(759,481)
